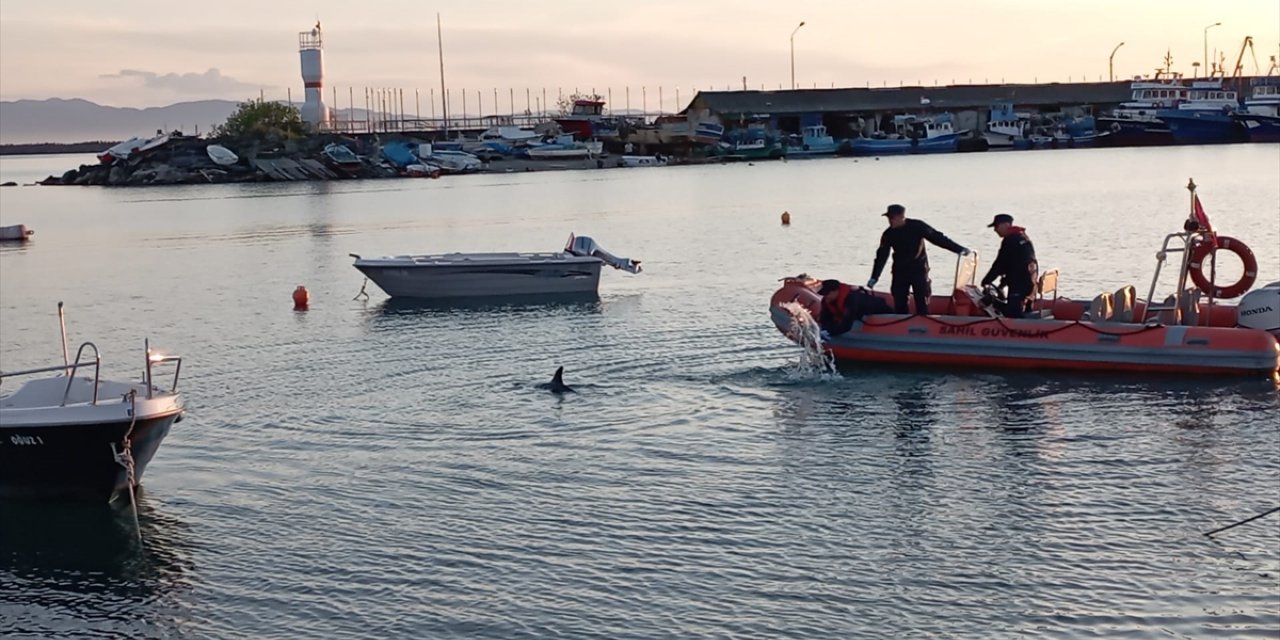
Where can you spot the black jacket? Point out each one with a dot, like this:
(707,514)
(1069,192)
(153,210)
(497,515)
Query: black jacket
(1016,262)
(856,303)
(907,243)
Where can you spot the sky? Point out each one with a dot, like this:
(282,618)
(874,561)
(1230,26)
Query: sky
(137,53)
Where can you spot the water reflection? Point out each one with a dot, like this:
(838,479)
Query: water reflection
(391,310)
(82,564)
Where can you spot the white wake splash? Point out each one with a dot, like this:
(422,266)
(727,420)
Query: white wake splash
(815,361)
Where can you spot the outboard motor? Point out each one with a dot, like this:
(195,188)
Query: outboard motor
(1260,309)
(584,246)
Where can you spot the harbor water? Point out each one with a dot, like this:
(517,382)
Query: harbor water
(373,470)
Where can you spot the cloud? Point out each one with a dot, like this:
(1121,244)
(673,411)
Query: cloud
(211,82)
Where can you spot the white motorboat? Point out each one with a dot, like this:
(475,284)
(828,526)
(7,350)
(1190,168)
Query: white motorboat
(573,271)
(76,433)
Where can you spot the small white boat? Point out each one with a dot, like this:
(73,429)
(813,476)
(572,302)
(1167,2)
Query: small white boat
(121,151)
(15,233)
(573,271)
(221,155)
(655,160)
(508,134)
(76,433)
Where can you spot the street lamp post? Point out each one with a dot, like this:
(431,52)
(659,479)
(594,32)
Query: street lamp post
(1206,44)
(1111,73)
(793,55)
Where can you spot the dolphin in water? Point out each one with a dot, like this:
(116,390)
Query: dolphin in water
(557,384)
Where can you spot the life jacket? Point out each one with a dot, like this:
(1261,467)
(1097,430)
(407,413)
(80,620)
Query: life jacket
(835,305)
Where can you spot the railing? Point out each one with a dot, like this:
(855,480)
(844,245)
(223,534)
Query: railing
(154,359)
(70,370)
(1187,238)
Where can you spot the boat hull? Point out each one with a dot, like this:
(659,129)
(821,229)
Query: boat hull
(1042,344)
(1192,127)
(1260,128)
(432,282)
(1126,132)
(872,146)
(76,460)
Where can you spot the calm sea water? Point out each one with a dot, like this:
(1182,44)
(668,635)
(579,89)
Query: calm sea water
(373,470)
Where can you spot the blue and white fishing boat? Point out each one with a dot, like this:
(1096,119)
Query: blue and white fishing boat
(1008,129)
(812,141)
(1261,115)
(1206,116)
(912,135)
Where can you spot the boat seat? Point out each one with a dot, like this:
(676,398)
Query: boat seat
(1171,315)
(1041,302)
(1189,309)
(1101,308)
(1123,300)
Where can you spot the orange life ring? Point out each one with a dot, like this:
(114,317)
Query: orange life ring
(1202,250)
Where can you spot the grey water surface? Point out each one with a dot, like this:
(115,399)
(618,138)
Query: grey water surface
(367,469)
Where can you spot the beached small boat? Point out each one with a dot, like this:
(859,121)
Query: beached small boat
(221,155)
(1111,333)
(400,154)
(572,271)
(655,160)
(15,233)
(121,150)
(78,434)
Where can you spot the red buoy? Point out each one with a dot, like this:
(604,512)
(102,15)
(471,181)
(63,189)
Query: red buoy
(301,297)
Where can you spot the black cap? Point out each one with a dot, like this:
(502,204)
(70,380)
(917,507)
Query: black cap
(895,210)
(1001,217)
(828,286)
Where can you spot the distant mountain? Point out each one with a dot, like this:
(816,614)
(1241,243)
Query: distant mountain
(59,120)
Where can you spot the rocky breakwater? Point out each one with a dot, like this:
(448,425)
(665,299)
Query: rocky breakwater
(176,159)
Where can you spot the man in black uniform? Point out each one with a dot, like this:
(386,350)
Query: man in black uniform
(1016,262)
(910,264)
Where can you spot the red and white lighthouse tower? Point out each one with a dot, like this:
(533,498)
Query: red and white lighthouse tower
(311,50)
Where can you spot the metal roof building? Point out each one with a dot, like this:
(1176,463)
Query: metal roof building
(865,100)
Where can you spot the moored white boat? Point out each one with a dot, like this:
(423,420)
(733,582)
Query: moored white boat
(573,271)
(77,434)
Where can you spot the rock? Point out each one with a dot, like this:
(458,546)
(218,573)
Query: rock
(9,184)
(118,175)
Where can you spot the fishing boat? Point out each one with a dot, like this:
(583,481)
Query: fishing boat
(221,155)
(341,159)
(1007,129)
(78,434)
(562,147)
(1206,116)
(1261,114)
(1137,122)
(812,141)
(1189,332)
(575,270)
(912,134)
(586,120)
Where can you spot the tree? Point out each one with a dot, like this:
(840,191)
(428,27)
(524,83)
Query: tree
(262,119)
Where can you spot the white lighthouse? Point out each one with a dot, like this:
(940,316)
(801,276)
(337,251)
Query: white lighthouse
(311,50)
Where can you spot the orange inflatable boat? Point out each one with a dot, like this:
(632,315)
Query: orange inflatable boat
(1187,333)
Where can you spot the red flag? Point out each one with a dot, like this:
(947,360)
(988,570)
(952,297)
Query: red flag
(1202,219)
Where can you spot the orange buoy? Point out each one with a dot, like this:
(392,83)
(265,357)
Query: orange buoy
(786,218)
(301,297)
